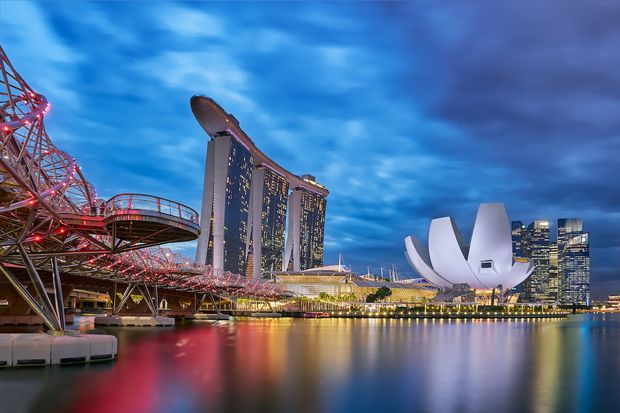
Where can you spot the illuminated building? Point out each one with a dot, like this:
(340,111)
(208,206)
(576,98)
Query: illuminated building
(268,220)
(520,240)
(576,282)
(244,205)
(305,238)
(486,264)
(562,270)
(553,271)
(573,262)
(225,204)
(536,286)
(520,247)
(336,280)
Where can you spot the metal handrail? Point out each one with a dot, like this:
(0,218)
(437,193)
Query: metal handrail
(145,202)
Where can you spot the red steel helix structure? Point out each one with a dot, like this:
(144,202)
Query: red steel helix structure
(52,222)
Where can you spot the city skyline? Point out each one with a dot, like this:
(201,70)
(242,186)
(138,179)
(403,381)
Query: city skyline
(561,256)
(397,143)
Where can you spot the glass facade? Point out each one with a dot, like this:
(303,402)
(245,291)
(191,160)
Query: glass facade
(248,225)
(532,242)
(539,255)
(273,220)
(562,268)
(577,270)
(269,211)
(312,228)
(210,240)
(573,262)
(238,183)
(520,240)
(553,271)
(567,229)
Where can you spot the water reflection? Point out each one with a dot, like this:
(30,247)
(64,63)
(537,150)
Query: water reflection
(340,365)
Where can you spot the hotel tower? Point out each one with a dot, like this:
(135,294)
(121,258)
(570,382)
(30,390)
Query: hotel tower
(247,198)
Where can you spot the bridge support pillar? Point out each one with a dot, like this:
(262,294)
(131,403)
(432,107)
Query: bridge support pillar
(27,297)
(53,315)
(215,305)
(134,314)
(153,305)
(198,302)
(44,299)
(124,298)
(59,299)
(114,297)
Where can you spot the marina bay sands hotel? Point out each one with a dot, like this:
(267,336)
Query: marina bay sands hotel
(246,199)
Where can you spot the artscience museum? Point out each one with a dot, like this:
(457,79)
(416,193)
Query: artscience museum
(485,263)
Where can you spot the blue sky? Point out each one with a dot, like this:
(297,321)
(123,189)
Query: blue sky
(405,111)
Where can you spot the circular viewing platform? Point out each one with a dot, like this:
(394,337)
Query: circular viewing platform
(140,217)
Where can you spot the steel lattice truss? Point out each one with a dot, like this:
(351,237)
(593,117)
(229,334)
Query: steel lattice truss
(51,218)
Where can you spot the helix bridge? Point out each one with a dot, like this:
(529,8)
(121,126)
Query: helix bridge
(54,228)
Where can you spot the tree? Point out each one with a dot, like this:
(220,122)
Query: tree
(379,295)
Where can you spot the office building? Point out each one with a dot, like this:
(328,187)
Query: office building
(553,290)
(536,286)
(576,270)
(573,262)
(520,240)
(562,272)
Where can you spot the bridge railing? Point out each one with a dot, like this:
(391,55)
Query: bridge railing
(151,203)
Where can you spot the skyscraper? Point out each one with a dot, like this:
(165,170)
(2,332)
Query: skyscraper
(520,250)
(305,238)
(533,243)
(567,228)
(573,262)
(562,270)
(539,254)
(313,229)
(225,204)
(553,271)
(520,240)
(244,205)
(267,220)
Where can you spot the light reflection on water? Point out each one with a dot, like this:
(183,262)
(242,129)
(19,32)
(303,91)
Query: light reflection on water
(339,365)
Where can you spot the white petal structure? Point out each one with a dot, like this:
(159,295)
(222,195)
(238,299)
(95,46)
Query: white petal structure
(419,258)
(487,263)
